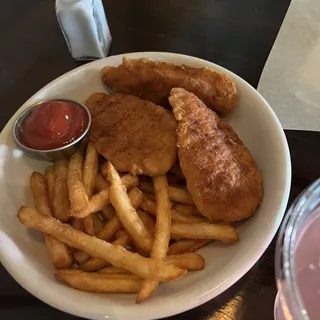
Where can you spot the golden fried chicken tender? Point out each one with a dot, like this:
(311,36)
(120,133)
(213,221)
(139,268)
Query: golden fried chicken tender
(137,136)
(153,80)
(220,171)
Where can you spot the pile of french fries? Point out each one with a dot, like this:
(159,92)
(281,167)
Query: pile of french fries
(110,232)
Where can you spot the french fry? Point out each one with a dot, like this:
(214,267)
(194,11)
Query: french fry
(188,209)
(102,199)
(147,221)
(114,224)
(101,183)
(150,207)
(88,225)
(115,255)
(98,202)
(126,212)
(107,212)
(94,275)
(77,224)
(50,180)
(40,194)
(163,223)
(58,251)
(135,196)
(95,264)
(177,216)
(89,174)
(176,194)
(204,230)
(104,169)
(77,194)
(188,261)
(130,181)
(187,245)
(162,233)
(93,282)
(98,224)
(180,195)
(123,239)
(81,256)
(61,204)
(110,229)
(112,270)
(90,168)
(119,276)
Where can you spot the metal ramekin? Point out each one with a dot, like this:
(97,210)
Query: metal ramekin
(51,154)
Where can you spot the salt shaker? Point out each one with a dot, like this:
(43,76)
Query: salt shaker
(85,28)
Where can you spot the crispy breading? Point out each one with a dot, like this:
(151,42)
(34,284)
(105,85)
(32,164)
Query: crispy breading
(153,80)
(137,136)
(220,171)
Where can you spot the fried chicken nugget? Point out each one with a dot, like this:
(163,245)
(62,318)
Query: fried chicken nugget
(137,136)
(220,171)
(153,80)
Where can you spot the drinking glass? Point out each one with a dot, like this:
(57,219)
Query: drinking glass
(297,261)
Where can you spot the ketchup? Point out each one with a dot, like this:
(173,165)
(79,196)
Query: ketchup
(53,124)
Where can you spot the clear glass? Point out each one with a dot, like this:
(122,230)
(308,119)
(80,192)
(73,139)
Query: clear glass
(297,260)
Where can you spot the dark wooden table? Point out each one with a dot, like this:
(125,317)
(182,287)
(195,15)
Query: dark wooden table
(236,34)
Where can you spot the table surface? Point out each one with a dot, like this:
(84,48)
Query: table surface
(235,34)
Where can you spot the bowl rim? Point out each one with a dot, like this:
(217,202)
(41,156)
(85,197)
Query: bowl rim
(24,114)
(234,277)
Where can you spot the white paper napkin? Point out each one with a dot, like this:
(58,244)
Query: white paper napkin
(290,80)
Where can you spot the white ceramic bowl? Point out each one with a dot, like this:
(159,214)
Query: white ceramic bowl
(23,253)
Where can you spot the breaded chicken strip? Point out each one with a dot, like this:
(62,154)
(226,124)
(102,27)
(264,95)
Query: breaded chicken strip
(221,174)
(137,136)
(153,80)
